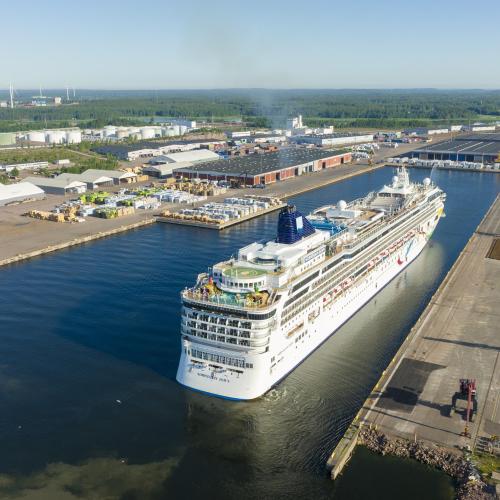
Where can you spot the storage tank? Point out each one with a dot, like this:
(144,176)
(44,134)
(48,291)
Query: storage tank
(122,133)
(169,132)
(147,133)
(74,137)
(109,131)
(182,129)
(36,136)
(7,139)
(55,136)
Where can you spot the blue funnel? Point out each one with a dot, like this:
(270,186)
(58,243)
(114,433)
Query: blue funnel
(292,226)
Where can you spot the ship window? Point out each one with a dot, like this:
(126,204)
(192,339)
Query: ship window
(305,281)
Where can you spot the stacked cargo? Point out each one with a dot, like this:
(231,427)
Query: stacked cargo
(113,212)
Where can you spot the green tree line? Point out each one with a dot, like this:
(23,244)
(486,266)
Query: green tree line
(267,107)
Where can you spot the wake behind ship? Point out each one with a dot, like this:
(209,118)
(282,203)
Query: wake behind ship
(251,320)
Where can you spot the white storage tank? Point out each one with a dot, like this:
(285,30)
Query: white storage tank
(74,137)
(109,130)
(55,136)
(122,133)
(182,129)
(147,133)
(169,132)
(36,136)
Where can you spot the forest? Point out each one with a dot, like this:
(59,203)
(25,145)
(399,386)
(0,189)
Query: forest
(258,108)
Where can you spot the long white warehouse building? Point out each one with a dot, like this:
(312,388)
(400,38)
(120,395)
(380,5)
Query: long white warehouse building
(22,191)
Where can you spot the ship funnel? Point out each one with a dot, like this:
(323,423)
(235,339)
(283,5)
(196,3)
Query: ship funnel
(292,226)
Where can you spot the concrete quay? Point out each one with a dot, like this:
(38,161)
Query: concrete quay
(222,225)
(23,237)
(457,336)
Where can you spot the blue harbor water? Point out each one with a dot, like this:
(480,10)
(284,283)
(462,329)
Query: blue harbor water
(89,345)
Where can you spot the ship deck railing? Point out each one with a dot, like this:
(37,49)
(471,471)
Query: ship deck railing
(224,300)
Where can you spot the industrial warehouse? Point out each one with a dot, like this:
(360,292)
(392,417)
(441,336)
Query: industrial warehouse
(481,148)
(267,168)
(329,140)
(20,192)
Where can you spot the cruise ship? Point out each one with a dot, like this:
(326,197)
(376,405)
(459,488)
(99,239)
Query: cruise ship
(249,321)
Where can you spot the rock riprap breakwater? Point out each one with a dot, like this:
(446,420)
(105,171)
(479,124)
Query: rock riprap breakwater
(470,486)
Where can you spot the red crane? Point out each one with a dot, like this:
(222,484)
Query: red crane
(468,388)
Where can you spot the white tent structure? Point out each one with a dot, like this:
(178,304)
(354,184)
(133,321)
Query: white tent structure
(58,185)
(90,178)
(193,156)
(22,191)
(117,176)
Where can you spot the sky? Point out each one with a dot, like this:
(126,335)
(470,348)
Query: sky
(190,44)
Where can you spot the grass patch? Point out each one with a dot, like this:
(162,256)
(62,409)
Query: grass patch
(79,161)
(485,463)
(51,154)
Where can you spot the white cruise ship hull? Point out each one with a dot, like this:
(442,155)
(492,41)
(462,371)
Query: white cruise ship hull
(266,372)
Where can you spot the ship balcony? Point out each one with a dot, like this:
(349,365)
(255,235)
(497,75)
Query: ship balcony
(216,320)
(229,301)
(209,328)
(225,342)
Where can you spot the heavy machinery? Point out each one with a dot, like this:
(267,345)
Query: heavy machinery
(468,395)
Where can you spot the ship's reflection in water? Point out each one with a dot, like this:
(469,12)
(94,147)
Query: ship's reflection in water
(90,345)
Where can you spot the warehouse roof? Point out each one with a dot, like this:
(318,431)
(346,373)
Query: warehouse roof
(477,144)
(194,155)
(257,136)
(336,135)
(123,149)
(93,174)
(165,168)
(20,189)
(89,178)
(265,162)
(59,182)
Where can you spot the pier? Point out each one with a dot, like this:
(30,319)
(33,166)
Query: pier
(24,239)
(222,224)
(456,337)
